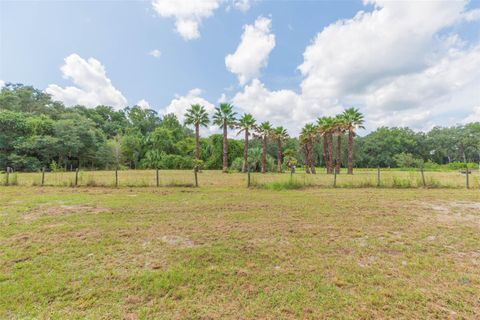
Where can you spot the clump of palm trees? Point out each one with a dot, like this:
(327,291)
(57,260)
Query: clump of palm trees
(326,128)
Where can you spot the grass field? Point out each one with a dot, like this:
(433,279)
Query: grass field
(228,252)
(144,178)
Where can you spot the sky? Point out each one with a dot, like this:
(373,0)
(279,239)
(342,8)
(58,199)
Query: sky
(402,63)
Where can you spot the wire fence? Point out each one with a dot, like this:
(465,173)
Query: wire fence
(362,178)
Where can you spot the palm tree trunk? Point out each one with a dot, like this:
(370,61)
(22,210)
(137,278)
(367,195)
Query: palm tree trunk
(329,154)
(312,163)
(279,155)
(197,144)
(245,153)
(339,153)
(325,152)
(264,155)
(225,148)
(307,158)
(350,152)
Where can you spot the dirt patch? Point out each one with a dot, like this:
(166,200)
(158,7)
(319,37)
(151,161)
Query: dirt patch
(177,241)
(455,212)
(59,210)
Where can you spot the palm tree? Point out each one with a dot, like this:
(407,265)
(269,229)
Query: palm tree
(225,118)
(197,116)
(246,124)
(307,139)
(339,129)
(326,126)
(353,120)
(280,135)
(263,132)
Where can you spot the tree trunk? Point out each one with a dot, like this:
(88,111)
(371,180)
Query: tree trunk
(312,163)
(350,152)
(329,153)
(279,155)
(225,148)
(325,152)
(339,154)
(264,155)
(197,144)
(245,153)
(307,158)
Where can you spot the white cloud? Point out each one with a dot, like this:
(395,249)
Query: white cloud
(472,15)
(2,84)
(474,117)
(188,14)
(180,104)
(402,64)
(252,53)
(242,5)
(143,104)
(155,53)
(92,86)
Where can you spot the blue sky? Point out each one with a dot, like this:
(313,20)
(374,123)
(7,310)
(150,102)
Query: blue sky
(367,61)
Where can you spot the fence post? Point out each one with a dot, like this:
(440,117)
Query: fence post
(248,177)
(423,177)
(76,177)
(158,180)
(7,177)
(116,177)
(378,176)
(43,176)
(466,177)
(334,178)
(196,177)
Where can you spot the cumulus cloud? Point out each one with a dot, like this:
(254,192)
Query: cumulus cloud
(180,104)
(474,117)
(92,86)
(2,84)
(242,5)
(252,53)
(143,104)
(401,63)
(188,14)
(155,53)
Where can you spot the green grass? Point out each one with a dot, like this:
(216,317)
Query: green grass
(230,252)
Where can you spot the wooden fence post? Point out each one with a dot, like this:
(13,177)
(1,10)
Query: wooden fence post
(423,177)
(76,177)
(158,179)
(116,177)
(248,177)
(195,170)
(378,176)
(43,176)
(7,177)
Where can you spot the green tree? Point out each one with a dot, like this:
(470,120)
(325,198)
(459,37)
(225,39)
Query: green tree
(307,139)
(264,132)
(353,120)
(279,134)
(225,118)
(246,124)
(197,116)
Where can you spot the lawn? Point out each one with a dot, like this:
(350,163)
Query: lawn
(228,252)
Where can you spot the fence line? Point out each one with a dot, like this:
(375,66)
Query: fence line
(384,178)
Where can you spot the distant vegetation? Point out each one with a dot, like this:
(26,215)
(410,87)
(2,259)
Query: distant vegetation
(37,132)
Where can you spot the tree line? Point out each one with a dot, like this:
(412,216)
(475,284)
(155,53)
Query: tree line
(37,132)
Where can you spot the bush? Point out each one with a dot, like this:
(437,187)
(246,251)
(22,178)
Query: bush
(23,163)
